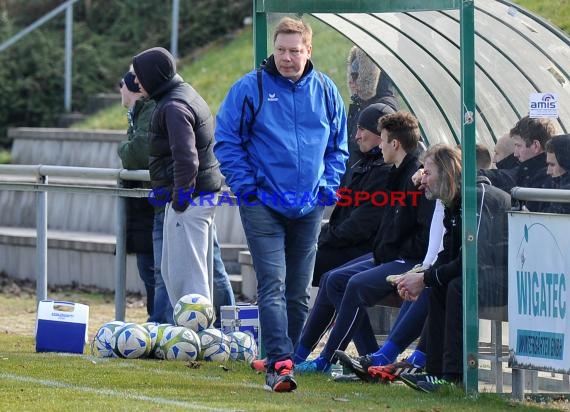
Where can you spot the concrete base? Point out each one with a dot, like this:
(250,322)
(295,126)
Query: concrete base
(83,258)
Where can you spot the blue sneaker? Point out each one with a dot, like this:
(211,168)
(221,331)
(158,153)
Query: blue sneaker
(311,366)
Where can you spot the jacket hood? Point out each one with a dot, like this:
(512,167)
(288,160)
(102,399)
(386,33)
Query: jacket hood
(155,69)
(368,73)
(560,146)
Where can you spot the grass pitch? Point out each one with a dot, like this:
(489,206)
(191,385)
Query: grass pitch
(31,381)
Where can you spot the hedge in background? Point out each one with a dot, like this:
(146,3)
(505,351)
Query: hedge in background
(107,33)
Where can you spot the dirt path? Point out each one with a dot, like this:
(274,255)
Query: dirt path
(18,306)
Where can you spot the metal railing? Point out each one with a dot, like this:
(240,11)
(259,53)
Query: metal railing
(86,180)
(540,195)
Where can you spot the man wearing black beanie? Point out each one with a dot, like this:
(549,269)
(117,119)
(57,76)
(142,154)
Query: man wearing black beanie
(351,228)
(182,166)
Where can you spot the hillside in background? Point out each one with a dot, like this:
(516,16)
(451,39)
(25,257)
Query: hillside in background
(215,68)
(214,52)
(106,34)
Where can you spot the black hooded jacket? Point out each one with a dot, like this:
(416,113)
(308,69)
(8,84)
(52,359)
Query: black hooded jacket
(404,230)
(181,139)
(492,241)
(355,226)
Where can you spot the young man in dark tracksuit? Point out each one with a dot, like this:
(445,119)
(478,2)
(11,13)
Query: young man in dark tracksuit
(444,346)
(401,242)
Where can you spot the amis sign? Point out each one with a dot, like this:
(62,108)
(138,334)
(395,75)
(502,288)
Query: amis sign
(543,105)
(539,292)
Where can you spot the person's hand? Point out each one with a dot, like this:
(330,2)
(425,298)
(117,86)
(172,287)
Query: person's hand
(417,178)
(410,285)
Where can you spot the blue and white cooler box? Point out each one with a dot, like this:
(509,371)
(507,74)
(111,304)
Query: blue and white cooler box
(61,326)
(244,318)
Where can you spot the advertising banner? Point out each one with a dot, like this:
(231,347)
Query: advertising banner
(539,261)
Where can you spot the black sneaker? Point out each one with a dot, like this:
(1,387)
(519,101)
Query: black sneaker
(358,365)
(413,379)
(435,386)
(280,378)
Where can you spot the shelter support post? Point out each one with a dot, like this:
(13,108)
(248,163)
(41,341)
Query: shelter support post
(469,199)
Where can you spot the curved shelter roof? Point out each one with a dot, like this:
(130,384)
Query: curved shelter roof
(516,54)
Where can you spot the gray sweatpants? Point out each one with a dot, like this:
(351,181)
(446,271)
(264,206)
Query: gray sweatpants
(184,251)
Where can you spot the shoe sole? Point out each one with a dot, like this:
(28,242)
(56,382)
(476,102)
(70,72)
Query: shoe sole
(411,384)
(390,377)
(384,377)
(284,386)
(422,389)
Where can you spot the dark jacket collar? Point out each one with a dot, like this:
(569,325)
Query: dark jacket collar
(508,162)
(534,163)
(269,66)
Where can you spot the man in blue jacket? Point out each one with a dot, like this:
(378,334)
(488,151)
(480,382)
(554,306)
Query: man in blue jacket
(281,141)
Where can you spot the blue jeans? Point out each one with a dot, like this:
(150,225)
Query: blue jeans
(223,292)
(162,306)
(145,265)
(283,252)
(352,289)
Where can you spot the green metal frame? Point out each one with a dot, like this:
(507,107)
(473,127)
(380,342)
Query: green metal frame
(467,112)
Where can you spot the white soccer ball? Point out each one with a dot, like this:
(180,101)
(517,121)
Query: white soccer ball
(242,347)
(149,325)
(180,343)
(156,335)
(215,345)
(194,311)
(131,341)
(102,340)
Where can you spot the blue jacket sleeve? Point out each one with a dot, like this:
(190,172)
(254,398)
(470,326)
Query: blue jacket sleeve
(336,153)
(232,117)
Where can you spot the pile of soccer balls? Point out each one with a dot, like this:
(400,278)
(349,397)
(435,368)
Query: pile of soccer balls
(192,338)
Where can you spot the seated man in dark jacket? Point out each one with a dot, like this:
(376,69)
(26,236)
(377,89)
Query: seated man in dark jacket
(355,219)
(503,156)
(442,180)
